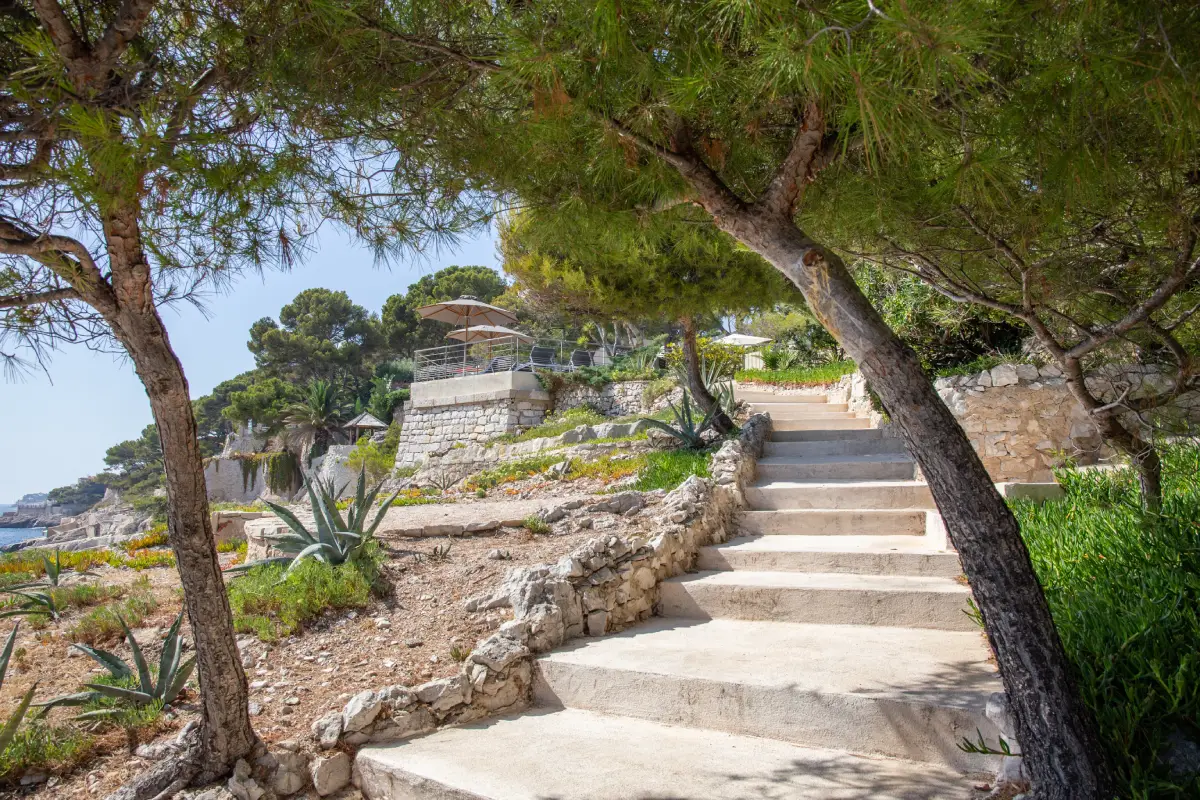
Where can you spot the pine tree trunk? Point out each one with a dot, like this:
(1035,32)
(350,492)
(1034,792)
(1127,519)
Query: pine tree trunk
(1057,732)
(721,423)
(226,733)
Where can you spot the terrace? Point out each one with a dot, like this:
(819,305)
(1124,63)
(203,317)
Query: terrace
(510,354)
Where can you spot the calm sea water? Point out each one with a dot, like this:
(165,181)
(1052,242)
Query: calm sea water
(10,535)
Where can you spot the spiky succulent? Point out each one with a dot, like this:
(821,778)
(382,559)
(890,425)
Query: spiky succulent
(686,429)
(337,539)
(14,719)
(162,687)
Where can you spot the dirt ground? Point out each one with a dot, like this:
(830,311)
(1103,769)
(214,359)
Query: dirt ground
(416,633)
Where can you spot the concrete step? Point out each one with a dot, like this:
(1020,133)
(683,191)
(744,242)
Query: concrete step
(817,597)
(886,466)
(776,495)
(833,522)
(830,423)
(896,692)
(862,555)
(835,447)
(752,396)
(586,756)
(800,410)
(825,435)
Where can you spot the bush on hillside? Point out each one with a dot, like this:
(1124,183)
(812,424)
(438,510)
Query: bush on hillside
(1124,588)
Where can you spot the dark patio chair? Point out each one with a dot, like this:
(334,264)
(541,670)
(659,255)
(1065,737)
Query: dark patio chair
(581,358)
(543,358)
(500,364)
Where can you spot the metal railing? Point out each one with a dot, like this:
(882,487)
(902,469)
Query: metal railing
(510,354)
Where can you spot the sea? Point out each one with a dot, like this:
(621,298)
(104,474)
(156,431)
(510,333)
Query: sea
(12,535)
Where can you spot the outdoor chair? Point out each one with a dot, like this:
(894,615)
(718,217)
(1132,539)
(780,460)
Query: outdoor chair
(500,364)
(581,358)
(543,358)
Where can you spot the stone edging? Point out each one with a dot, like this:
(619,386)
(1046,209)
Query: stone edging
(603,586)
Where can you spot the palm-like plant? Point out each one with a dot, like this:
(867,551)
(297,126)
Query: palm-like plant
(14,719)
(316,417)
(337,539)
(686,429)
(173,673)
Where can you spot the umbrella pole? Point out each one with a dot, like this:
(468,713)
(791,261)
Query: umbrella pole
(466,342)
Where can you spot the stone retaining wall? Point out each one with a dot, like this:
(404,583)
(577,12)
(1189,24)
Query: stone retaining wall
(432,429)
(621,399)
(1022,420)
(601,587)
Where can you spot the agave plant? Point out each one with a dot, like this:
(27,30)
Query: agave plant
(337,538)
(686,429)
(32,604)
(14,719)
(173,673)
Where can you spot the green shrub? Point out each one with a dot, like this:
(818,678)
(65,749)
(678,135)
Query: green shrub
(975,366)
(271,604)
(798,377)
(657,388)
(1124,588)
(535,524)
(40,747)
(232,546)
(372,457)
(666,469)
(723,359)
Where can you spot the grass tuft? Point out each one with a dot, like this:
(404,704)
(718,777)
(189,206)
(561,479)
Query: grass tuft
(666,469)
(41,747)
(100,624)
(272,606)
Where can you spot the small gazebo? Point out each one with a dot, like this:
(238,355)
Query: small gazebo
(364,425)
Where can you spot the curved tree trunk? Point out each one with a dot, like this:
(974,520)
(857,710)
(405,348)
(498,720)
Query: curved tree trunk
(721,423)
(1057,732)
(226,733)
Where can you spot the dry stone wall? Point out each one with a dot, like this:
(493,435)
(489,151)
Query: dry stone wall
(608,583)
(621,399)
(1022,420)
(434,429)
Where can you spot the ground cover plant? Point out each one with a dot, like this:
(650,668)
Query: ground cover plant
(1124,588)
(272,602)
(798,377)
(666,469)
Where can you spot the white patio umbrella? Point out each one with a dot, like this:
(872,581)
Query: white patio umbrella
(483,333)
(741,340)
(469,312)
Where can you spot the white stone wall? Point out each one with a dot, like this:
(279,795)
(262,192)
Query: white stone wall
(1022,420)
(223,477)
(433,428)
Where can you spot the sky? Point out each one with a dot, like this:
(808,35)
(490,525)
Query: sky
(56,429)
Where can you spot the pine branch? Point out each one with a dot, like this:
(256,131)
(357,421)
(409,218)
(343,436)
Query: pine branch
(68,42)
(785,187)
(121,31)
(37,298)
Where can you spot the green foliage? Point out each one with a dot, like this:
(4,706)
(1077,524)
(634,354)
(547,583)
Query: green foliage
(555,424)
(666,469)
(511,471)
(609,468)
(657,388)
(135,468)
(978,365)
(264,401)
(272,602)
(1124,588)
(321,336)
(337,539)
(135,686)
(723,361)
(372,458)
(101,624)
(535,524)
(686,428)
(384,399)
(800,377)
(9,729)
(795,332)
(618,265)
(406,332)
(39,747)
(316,417)
(84,493)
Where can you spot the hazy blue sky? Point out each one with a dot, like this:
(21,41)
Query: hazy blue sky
(53,433)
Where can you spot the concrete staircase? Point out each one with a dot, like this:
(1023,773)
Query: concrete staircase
(823,653)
